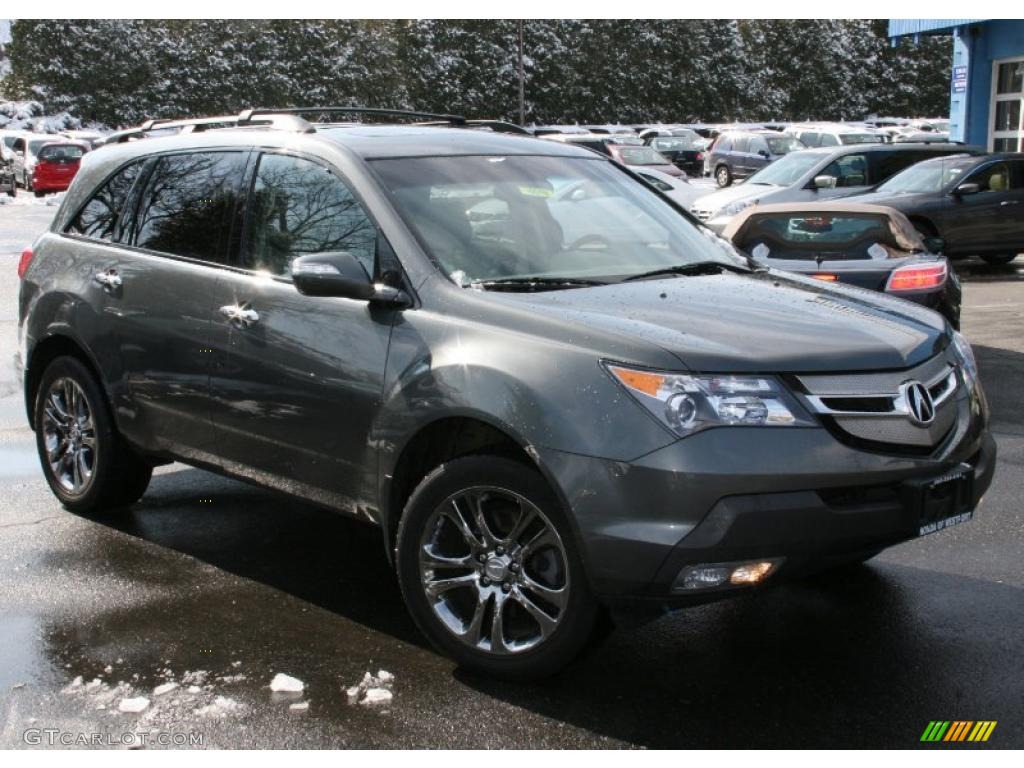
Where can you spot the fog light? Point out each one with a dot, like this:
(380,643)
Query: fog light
(712,575)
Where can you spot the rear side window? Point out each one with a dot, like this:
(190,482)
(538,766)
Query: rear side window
(810,139)
(740,144)
(186,203)
(828,140)
(299,207)
(98,220)
(890,163)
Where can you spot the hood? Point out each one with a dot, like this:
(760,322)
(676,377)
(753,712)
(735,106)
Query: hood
(769,322)
(721,198)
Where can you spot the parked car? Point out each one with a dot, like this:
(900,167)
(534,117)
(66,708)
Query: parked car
(56,165)
(396,324)
(92,138)
(869,246)
(626,150)
(740,154)
(816,174)
(975,204)
(812,136)
(26,153)
(7,183)
(684,149)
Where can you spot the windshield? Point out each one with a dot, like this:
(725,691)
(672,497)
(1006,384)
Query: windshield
(929,176)
(783,145)
(639,156)
(61,153)
(496,217)
(787,170)
(859,138)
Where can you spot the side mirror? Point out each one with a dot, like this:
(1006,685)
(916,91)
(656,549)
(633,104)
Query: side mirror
(340,274)
(967,188)
(764,153)
(824,182)
(935,244)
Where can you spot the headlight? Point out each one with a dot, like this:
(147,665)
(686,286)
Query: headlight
(733,208)
(686,404)
(963,351)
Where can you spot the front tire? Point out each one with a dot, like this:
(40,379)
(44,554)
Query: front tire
(489,569)
(87,464)
(723,176)
(998,259)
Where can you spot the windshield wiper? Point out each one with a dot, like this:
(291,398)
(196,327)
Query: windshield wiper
(697,268)
(534,283)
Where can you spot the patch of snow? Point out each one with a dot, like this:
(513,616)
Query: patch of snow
(194,689)
(220,707)
(160,690)
(385,677)
(376,696)
(138,704)
(108,669)
(283,683)
(93,685)
(299,706)
(195,678)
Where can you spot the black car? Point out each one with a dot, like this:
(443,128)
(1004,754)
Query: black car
(7,183)
(868,246)
(684,147)
(975,204)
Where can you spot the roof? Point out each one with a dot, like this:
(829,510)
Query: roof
(907,237)
(904,27)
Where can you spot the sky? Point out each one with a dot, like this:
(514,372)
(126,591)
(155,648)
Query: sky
(5,30)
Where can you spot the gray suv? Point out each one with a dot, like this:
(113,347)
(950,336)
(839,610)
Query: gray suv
(553,391)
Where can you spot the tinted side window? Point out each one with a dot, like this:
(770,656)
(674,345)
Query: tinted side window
(98,219)
(740,144)
(299,207)
(849,170)
(888,164)
(758,145)
(828,140)
(810,139)
(724,145)
(185,205)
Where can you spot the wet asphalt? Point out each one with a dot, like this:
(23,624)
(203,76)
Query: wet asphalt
(217,586)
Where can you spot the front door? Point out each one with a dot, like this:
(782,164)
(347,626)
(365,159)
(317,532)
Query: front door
(979,222)
(297,394)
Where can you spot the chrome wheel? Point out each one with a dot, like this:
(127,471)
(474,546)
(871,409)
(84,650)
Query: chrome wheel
(69,436)
(494,570)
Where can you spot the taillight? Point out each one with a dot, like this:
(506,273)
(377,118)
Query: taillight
(828,277)
(700,156)
(23,262)
(916,278)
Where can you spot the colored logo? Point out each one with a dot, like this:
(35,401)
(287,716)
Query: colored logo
(958,730)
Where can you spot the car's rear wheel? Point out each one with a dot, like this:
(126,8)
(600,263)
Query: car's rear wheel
(998,259)
(489,569)
(87,464)
(38,193)
(723,176)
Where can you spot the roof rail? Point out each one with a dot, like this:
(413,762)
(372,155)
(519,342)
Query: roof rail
(248,114)
(498,126)
(196,125)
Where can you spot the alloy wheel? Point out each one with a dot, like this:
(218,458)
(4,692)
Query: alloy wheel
(494,570)
(69,436)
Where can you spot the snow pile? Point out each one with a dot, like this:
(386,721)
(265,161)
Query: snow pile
(160,690)
(219,707)
(283,683)
(299,706)
(133,705)
(372,690)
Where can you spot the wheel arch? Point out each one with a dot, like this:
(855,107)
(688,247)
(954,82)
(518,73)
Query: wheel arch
(44,352)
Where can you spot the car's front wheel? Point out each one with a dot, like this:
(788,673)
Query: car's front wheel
(87,464)
(998,259)
(723,176)
(489,569)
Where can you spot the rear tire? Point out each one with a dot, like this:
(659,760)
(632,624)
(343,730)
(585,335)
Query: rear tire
(87,464)
(521,608)
(723,176)
(38,193)
(998,259)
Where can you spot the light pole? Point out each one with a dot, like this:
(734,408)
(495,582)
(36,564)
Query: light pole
(522,79)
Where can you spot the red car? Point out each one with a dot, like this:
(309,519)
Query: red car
(56,165)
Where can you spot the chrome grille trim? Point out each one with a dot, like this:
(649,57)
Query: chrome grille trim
(941,387)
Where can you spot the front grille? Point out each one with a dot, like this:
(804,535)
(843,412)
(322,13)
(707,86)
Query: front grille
(701,213)
(875,410)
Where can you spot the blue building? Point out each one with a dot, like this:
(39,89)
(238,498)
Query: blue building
(986,89)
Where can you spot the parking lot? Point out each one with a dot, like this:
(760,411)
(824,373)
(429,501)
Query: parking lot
(218,586)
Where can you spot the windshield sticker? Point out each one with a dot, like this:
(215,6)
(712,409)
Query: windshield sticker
(878,251)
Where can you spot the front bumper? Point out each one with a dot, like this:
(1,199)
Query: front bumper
(735,493)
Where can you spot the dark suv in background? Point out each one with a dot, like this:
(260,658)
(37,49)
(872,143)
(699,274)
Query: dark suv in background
(551,390)
(739,154)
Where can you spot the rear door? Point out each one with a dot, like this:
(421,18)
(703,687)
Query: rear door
(297,394)
(163,286)
(1013,215)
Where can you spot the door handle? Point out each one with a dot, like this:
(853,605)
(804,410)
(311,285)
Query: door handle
(1009,202)
(244,316)
(110,280)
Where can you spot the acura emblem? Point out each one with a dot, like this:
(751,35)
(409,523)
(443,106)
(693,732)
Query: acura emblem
(920,407)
